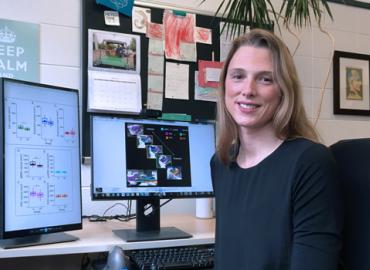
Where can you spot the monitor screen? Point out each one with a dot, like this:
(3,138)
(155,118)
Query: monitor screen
(134,158)
(40,175)
(148,160)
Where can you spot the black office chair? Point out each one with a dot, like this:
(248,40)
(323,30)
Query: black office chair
(353,158)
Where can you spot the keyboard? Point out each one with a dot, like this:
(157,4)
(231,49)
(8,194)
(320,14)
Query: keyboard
(181,257)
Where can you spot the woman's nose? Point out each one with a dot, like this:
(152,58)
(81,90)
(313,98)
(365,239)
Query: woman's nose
(249,88)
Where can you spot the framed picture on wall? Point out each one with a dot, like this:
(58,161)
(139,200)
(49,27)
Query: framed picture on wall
(351,83)
(356,3)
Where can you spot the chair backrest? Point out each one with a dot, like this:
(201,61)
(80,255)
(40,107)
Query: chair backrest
(353,159)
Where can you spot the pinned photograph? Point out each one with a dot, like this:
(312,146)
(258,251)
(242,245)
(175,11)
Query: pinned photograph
(113,50)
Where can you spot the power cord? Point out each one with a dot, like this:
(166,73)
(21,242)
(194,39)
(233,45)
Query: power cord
(124,218)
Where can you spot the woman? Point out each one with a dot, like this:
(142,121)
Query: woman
(277,201)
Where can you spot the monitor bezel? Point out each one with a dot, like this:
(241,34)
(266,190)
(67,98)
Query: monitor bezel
(154,195)
(39,230)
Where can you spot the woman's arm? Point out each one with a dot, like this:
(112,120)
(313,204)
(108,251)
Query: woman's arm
(317,213)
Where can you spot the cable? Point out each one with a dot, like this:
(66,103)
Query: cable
(114,205)
(104,217)
(323,88)
(124,218)
(290,31)
(128,212)
(165,202)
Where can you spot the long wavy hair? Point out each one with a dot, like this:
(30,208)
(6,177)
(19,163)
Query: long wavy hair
(290,119)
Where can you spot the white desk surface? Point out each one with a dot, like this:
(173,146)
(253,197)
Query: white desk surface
(98,237)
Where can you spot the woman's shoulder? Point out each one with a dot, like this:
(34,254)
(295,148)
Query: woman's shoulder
(305,149)
(215,160)
(304,144)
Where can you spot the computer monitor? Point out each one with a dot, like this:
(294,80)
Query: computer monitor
(148,160)
(40,175)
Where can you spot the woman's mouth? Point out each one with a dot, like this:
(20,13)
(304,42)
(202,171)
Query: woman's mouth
(248,105)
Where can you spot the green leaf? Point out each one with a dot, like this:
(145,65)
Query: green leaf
(238,14)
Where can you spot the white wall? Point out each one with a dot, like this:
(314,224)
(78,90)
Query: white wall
(313,58)
(60,41)
(60,64)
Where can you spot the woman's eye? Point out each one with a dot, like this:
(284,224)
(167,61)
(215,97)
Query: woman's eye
(265,80)
(236,76)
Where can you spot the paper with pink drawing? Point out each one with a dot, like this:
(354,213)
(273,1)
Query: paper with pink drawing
(179,36)
(203,35)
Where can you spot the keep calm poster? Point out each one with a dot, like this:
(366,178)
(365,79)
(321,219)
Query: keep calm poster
(19,50)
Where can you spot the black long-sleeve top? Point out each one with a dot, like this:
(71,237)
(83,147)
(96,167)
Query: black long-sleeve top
(284,213)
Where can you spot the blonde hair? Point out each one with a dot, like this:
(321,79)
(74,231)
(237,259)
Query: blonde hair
(290,120)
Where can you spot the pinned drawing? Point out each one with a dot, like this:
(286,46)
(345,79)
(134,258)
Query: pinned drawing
(179,36)
(140,19)
(203,35)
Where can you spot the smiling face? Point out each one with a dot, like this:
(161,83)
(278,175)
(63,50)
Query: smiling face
(251,94)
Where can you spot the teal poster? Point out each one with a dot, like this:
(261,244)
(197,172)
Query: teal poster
(19,50)
(122,6)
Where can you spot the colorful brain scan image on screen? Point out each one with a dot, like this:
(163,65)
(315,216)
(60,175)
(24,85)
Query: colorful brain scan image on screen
(174,173)
(135,130)
(166,145)
(153,151)
(144,140)
(133,177)
(142,178)
(163,161)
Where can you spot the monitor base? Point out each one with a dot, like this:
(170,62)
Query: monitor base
(36,240)
(165,233)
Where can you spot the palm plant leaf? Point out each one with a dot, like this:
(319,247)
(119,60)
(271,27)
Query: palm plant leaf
(241,14)
(298,12)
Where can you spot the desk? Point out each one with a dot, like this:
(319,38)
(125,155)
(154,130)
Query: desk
(96,237)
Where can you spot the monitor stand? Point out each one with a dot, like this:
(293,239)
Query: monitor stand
(34,240)
(148,224)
